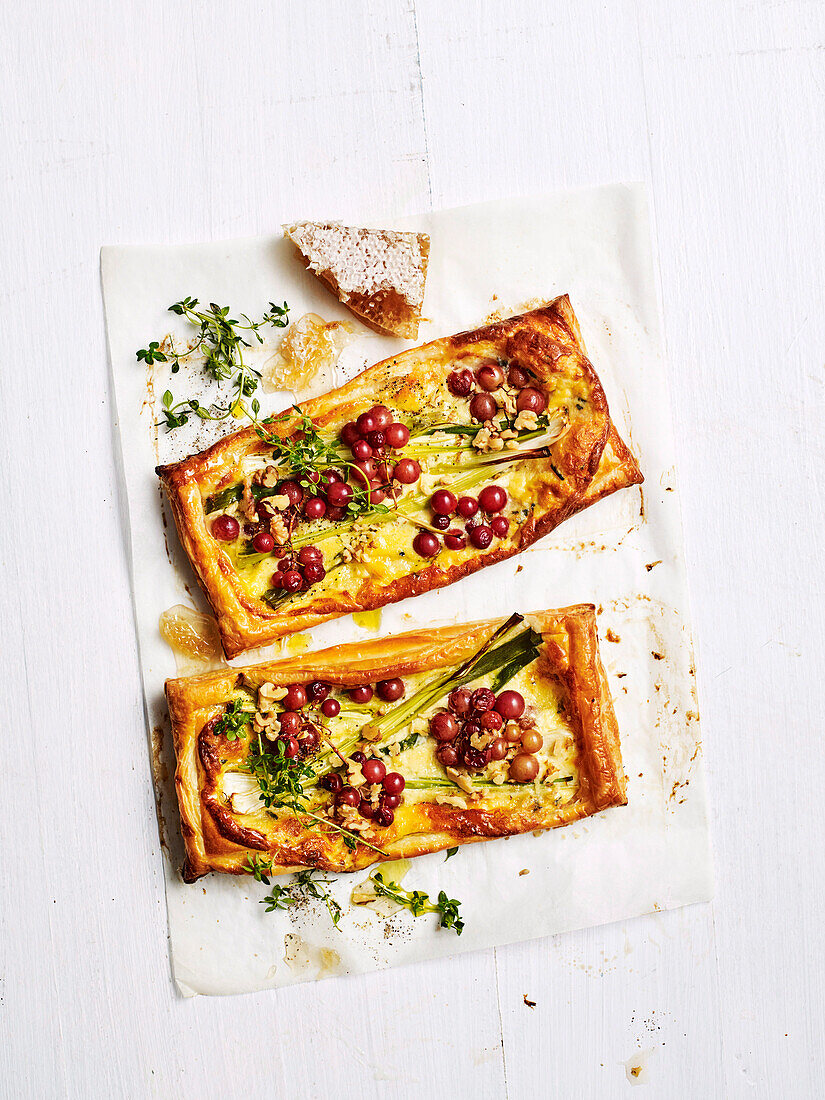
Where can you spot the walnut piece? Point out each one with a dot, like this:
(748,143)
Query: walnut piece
(460,780)
(527,420)
(269,695)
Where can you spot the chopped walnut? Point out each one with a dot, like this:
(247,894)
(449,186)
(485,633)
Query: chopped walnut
(269,695)
(279,502)
(249,505)
(352,820)
(527,420)
(488,439)
(505,399)
(354,774)
(481,739)
(371,733)
(269,477)
(266,724)
(279,530)
(461,780)
(451,800)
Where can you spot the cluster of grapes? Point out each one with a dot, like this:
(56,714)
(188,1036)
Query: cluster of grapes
(491,377)
(483,523)
(478,727)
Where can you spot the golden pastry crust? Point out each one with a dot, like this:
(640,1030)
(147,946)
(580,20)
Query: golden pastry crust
(590,456)
(216,841)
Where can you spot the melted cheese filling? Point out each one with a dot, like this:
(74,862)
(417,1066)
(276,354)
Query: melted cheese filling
(556,785)
(379,549)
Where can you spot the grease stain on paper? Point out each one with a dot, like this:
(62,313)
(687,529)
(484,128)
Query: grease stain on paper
(300,955)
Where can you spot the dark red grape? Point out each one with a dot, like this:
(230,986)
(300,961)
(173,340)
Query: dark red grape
(481,536)
(443,726)
(460,700)
(490,377)
(390,690)
(531,400)
(407,471)
(483,699)
(318,690)
(510,704)
(295,698)
(292,581)
(397,435)
(225,528)
(483,407)
(373,771)
(460,383)
(394,783)
(263,542)
(492,498)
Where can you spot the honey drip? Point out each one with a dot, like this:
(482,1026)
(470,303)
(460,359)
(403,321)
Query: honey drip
(193,638)
(307,354)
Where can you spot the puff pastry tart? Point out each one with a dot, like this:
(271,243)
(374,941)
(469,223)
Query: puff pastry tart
(395,747)
(422,469)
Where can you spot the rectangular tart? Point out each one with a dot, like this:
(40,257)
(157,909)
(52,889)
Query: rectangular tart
(360,499)
(258,789)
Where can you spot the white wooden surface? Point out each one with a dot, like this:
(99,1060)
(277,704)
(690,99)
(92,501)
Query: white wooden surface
(158,121)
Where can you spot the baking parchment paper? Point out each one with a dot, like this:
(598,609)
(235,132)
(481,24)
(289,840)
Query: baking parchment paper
(624,554)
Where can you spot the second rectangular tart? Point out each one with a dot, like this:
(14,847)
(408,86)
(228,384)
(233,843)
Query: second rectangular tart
(396,747)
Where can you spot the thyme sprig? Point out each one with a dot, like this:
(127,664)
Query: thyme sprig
(234,720)
(280,778)
(221,340)
(419,903)
(305,884)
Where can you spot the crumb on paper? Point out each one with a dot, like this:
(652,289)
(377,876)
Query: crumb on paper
(653,564)
(524,871)
(611,635)
(528,1002)
(657,656)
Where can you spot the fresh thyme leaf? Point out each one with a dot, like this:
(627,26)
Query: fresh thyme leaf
(306,884)
(362,503)
(280,778)
(317,888)
(280,898)
(450,853)
(419,903)
(233,722)
(259,868)
(152,354)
